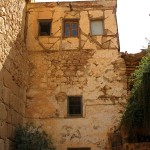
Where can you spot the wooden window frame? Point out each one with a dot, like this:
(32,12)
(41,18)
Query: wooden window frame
(75,115)
(97,19)
(39,27)
(70,21)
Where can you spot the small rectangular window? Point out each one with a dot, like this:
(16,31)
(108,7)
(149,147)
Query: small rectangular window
(97,27)
(44,27)
(70,28)
(74,106)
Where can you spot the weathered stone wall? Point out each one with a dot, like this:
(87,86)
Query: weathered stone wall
(13,69)
(85,65)
(136,146)
(84,12)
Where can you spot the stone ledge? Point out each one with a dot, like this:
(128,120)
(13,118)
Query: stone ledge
(137,146)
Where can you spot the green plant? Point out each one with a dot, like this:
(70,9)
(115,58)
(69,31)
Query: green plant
(137,114)
(29,137)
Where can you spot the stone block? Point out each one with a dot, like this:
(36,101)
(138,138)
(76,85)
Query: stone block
(110,22)
(84,20)
(70,44)
(3,129)
(89,45)
(43,39)
(1,77)
(10,131)
(7,78)
(2,144)
(2,24)
(15,118)
(14,102)
(15,88)
(8,145)
(3,112)
(45,15)
(9,115)
(1,91)
(21,109)
(96,14)
(6,95)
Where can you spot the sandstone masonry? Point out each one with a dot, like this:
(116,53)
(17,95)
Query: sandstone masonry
(85,65)
(38,73)
(13,69)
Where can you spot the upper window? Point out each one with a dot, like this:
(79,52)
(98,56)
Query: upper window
(70,28)
(44,27)
(74,106)
(97,27)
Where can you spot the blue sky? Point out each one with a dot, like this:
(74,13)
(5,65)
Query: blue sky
(133,24)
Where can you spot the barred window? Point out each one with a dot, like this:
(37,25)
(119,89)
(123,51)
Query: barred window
(74,105)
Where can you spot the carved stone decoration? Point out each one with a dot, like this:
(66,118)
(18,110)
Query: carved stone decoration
(61,97)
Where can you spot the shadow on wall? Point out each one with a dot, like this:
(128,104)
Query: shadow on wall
(13,70)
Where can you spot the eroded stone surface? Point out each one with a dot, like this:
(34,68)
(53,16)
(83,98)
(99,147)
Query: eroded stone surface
(87,66)
(13,69)
(82,11)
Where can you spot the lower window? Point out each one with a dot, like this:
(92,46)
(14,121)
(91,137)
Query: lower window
(75,106)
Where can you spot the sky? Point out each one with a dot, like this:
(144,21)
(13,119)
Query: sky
(133,24)
(133,17)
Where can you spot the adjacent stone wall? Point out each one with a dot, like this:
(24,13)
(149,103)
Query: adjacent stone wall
(13,69)
(85,65)
(132,61)
(136,146)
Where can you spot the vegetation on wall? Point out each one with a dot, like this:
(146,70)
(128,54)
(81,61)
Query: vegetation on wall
(136,118)
(29,137)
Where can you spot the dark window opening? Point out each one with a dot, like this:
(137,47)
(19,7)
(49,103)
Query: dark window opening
(71,28)
(44,27)
(74,105)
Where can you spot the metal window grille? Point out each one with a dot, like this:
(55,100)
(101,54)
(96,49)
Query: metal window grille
(74,105)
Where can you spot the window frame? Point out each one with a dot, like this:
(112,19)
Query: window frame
(39,27)
(75,115)
(71,21)
(97,19)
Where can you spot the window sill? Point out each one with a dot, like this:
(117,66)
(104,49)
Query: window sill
(73,117)
(97,35)
(42,36)
(70,36)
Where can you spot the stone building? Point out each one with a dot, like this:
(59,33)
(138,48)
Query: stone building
(64,72)
(77,81)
